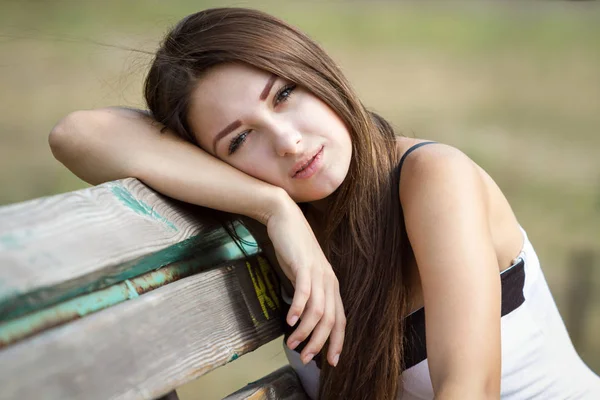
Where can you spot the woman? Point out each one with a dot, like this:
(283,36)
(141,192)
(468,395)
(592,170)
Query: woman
(371,229)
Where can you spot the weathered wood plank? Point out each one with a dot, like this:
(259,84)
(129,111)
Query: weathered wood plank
(37,321)
(59,247)
(282,384)
(146,347)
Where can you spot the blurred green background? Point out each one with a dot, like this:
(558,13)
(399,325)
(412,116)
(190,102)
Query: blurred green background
(515,85)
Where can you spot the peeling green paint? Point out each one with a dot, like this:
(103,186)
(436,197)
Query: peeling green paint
(208,249)
(139,206)
(27,325)
(132,292)
(81,306)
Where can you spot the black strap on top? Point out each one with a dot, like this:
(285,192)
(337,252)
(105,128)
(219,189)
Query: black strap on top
(410,150)
(415,350)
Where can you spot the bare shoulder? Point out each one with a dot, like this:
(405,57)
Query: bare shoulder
(439,177)
(435,164)
(441,192)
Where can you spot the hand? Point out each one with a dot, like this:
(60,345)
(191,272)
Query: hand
(316,288)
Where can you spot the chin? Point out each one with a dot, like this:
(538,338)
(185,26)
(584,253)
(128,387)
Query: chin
(323,186)
(308,198)
(314,194)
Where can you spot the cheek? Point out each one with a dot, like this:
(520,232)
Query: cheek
(256,166)
(324,121)
(254,170)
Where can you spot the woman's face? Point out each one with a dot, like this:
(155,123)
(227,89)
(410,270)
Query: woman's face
(271,129)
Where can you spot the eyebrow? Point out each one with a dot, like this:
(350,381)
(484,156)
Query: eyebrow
(265,93)
(237,123)
(232,126)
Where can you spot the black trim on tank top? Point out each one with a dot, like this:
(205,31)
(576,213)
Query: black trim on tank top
(415,350)
(512,283)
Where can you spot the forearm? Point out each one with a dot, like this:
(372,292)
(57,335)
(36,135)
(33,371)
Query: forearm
(109,144)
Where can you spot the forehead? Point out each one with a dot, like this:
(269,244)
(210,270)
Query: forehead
(223,95)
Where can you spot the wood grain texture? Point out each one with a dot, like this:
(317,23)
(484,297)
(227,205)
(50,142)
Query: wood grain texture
(258,280)
(282,384)
(145,347)
(58,247)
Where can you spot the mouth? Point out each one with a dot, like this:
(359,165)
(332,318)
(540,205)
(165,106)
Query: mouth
(307,167)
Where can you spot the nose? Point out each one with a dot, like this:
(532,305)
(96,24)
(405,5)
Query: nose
(287,139)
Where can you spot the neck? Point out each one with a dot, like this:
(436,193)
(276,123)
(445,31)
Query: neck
(315,216)
(319,207)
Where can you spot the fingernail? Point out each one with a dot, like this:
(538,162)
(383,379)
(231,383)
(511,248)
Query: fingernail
(293,320)
(294,344)
(308,357)
(336,359)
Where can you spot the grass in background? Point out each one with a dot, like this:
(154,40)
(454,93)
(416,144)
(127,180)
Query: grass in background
(516,86)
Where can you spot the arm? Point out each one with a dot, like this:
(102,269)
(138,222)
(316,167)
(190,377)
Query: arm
(114,143)
(446,218)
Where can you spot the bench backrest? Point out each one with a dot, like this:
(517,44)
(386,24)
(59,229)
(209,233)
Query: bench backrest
(116,291)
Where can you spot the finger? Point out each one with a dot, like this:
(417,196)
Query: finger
(312,315)
(338,332)
(323,329)
(302,291)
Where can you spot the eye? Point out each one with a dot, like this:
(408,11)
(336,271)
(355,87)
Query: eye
(284,93)
(237,141)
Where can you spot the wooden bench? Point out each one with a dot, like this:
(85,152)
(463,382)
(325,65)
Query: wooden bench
(118,292)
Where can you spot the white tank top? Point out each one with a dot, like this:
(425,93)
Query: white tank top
(538,358)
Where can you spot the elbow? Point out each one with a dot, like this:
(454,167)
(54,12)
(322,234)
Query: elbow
(73,142)
(66,135)
(58,136)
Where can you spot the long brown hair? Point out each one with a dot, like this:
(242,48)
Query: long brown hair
(365,239)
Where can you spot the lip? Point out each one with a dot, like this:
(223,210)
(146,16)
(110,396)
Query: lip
(309,165)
